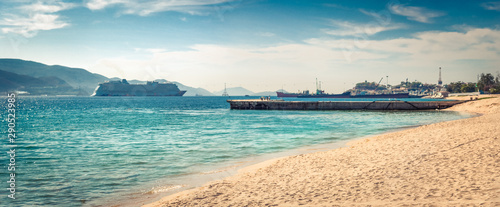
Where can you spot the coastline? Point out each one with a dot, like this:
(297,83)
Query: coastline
(407,167)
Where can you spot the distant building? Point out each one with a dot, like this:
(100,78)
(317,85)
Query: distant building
(443,94)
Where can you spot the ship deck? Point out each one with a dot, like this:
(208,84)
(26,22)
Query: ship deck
(257,104)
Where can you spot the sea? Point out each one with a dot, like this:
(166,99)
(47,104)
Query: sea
(128,151)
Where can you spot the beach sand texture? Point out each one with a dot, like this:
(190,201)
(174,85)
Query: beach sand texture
(455,163)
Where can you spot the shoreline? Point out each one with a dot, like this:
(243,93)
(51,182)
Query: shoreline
(186,183)
(187,197)
(220,171)
(249,164)
(204,175)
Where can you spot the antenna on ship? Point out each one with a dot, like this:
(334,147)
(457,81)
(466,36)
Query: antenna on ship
(318,89)
(316,84)
(225,91)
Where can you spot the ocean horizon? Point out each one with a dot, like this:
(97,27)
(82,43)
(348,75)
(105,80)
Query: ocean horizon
(90,151)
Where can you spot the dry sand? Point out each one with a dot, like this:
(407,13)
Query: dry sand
(455,163)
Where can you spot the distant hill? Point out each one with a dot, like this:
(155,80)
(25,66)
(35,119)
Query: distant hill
(193,91)
(76,78)
(44,85)
(235,91)
(240,91)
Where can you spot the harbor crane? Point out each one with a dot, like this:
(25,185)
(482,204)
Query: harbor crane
(379,82)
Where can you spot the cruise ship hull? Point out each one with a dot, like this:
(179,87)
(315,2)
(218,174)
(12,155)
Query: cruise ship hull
(123,88)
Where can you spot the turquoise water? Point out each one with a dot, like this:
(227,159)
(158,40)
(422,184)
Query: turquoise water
(75,151)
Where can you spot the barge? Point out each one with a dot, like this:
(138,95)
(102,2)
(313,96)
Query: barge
(257,104)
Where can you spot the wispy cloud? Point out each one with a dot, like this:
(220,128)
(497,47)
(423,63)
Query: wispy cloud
(47,8)
(337,6)
(491,5)
(383,17)
(27,20)
(474,43)
(29,27)
(413,13)
(344,28)
(147,7)
(266,34)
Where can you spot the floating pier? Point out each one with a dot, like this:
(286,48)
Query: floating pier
(257,104)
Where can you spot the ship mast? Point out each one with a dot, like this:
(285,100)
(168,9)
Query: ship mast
(318,87)
(225,91)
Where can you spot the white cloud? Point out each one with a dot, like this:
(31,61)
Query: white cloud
(333,61)
(205,64)
(29,27)
(47,8)
(491,6)
(344,28)
(147,7)
(31,18)
(418,14)
(101,4)
(425,49)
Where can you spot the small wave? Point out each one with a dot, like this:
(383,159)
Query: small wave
(222,169)
(213,172)
(162,189)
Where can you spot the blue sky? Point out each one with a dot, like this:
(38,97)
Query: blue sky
(258,44)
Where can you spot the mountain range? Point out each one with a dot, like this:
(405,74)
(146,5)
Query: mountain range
(49,85)
(39,79)
(56,77)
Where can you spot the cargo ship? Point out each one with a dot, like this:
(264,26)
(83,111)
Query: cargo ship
(322,94)
(123,88)
(363,94)
(281,94)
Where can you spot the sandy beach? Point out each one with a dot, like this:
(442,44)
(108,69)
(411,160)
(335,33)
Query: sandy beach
(454,163)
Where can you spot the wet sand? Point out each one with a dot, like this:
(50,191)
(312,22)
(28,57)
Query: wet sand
(454,163)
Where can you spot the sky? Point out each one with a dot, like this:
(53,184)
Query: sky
(261,45)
